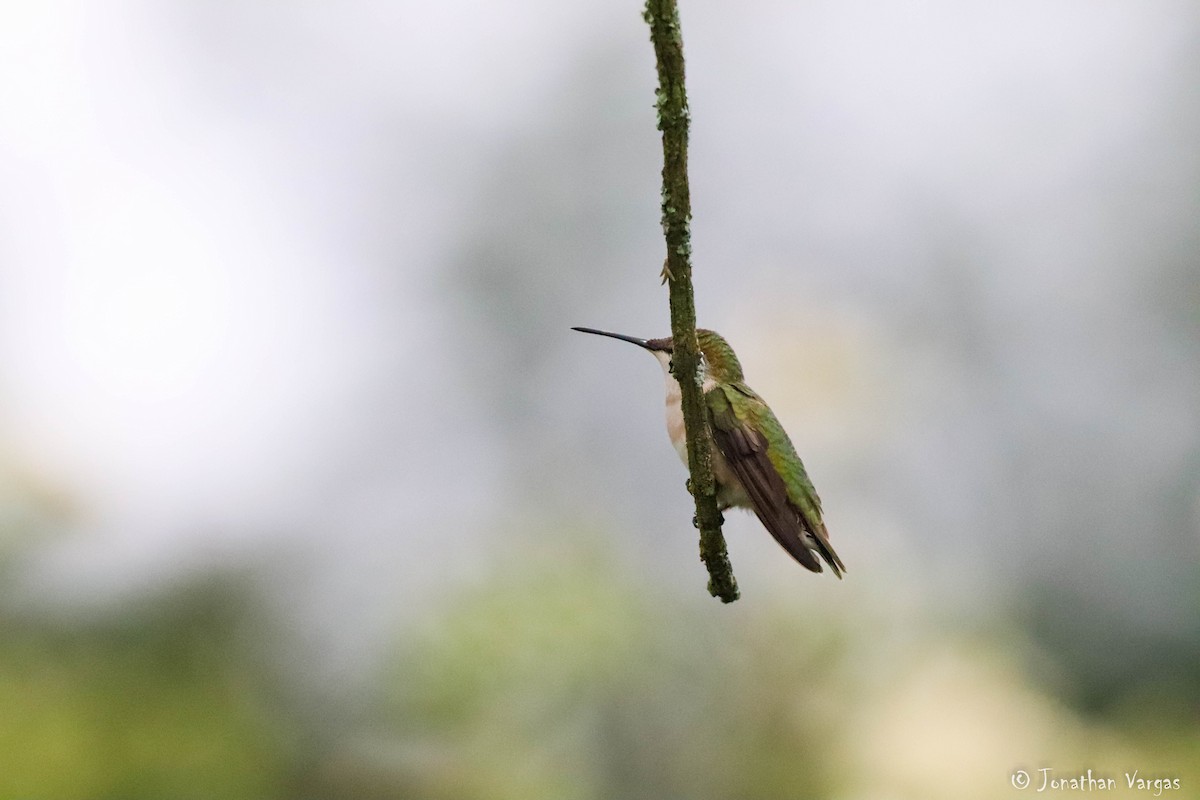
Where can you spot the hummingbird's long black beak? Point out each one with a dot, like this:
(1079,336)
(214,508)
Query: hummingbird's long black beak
(639,342)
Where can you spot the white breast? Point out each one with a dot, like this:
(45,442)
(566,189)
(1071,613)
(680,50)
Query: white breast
(674,409)
(674,406)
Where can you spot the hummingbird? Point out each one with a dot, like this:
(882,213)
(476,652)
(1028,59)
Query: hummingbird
(754,463)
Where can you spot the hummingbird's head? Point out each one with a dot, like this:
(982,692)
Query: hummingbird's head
(717,360)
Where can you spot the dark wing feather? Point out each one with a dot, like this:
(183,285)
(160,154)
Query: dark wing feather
(745,450)
(801,494)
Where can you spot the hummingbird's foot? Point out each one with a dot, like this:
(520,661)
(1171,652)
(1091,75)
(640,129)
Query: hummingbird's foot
(696,520)
(666,272)
(688,485)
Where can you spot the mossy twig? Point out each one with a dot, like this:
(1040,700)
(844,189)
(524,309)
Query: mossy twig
(663,18)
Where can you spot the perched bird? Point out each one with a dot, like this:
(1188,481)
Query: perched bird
(754,462)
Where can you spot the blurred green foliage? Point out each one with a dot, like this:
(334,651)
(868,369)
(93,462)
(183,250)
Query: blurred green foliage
(557,675)
(559,678)
(157,702)
(562,680)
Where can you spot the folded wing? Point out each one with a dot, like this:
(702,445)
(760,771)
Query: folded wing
(748,452)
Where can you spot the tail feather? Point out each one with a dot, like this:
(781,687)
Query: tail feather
(820,542)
